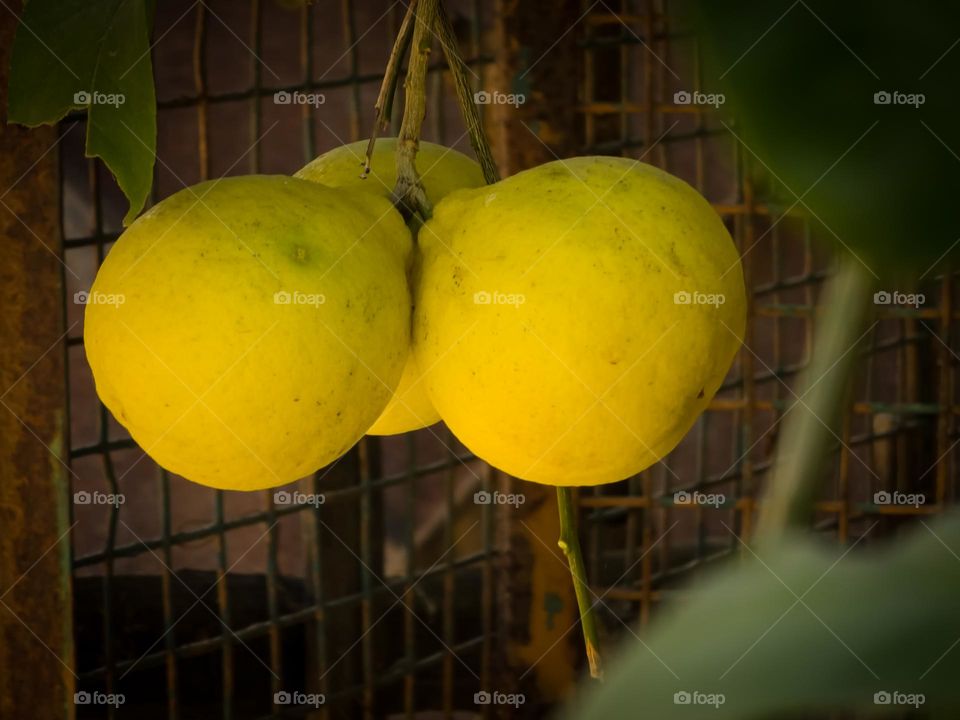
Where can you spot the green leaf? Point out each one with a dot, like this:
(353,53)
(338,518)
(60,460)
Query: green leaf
(800,79)
(92,54)
(801,626)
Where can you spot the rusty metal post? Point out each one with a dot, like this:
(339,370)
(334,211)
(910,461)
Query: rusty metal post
(36,630)
(538,57)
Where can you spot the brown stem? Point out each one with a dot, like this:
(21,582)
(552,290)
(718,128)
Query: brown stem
(468,108)
(383,110)
(409,193)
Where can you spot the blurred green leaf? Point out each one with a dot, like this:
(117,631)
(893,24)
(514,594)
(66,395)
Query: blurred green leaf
(91,54)
(801,626)
(801,76)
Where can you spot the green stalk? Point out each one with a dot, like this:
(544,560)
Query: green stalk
(570,544)
(807,437)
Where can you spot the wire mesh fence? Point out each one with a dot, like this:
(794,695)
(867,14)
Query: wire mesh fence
(892,459)
(375,583)
(200,603)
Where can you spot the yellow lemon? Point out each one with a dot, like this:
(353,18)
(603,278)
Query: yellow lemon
(442,171)
(247,331)
(576,318)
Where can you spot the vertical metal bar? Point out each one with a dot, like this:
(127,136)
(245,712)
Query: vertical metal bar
(663,512)
(706,418)
(486,511)
(776,267)
(108,575)
(776,262)
(590,135)
(843,491)
(306,64)
(633,539)
(449,608)
(396,18)
(314,524)
(649,92)
(700,473)
(272,609)
(276,654)
(223,608)
(906,393)
(589,120)
(257,99)
(487,625)
(200,87)
(633,542)
(409,688)
(700,117)
(650,128)
(170,658)
(747,226)
(350,43)
(810,292)
(912,373)
(319,596)
(311,525)
(203,160)
(35,488)
(880,457)
(665,554)
(646,600)
(475,34)
(106,581)
(435,85)
(945,394)
(366,583)
(625,75)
